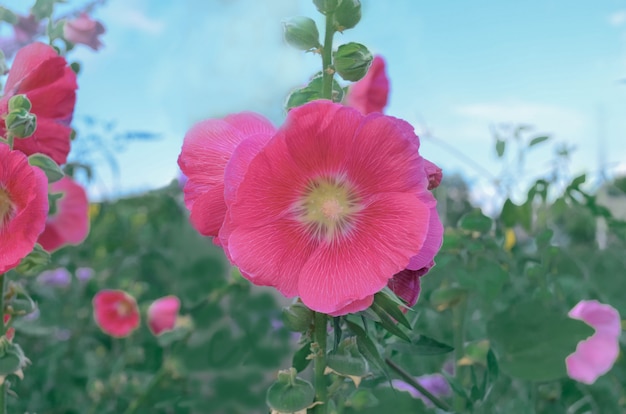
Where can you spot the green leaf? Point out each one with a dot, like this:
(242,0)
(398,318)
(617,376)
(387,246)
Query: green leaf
(492,366)
(43,9)
(366,346)
(532,341)
(387,323)
(500,147)
(312,92)
(49,167)
(300,360)
(510,214)
(392,306)
(538,140)
(34,262)
(475,220)
(422,345)
(7,15)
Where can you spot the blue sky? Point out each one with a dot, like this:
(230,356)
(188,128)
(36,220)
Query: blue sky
(456,68)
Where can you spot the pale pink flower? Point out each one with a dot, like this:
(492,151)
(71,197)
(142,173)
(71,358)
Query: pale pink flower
(331,208)
(23,206)
(116,312)
(84,30)
(207,148)
(595,355)
(50,84)
(162,314)
(70,222)
(370,94)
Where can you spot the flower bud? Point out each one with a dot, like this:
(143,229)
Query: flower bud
(289,393)
(12,359)
(347,15)
(18,102)
(21,123)
(352,61)
(297,317)
(301,33)
(325,6)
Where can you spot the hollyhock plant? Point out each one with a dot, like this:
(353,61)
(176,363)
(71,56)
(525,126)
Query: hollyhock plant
(595,355)
(23,206)
(84,30)
(162,314)
(370,94)
(207,148)
(116,312)
(50,84)
(331,208)
(69,224)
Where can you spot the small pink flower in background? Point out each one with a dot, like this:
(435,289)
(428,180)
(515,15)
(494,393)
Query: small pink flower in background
(595,355)
(370,94)
(70,223)
(207,148)
(331,208)
(162,314)
(50,85)
(116,312)
(60,277)
(10,332)
(23,206)
(84,30)
(436,384)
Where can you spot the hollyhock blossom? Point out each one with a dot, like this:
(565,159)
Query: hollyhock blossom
(69,224)
(84,30)
(436,384)
(60,277)
(23,206)
(162,314)
(370,93)
(595,355)
(50,84)
(330,208)
(207,148)
(116,312)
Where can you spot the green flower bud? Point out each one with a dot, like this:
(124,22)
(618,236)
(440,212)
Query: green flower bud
(18,102)
(290,394)
(301,33)
(21,123)
(297,317)
(347,15)
(352,61)
(325,6)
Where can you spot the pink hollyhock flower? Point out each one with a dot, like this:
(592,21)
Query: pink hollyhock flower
(84,30)
(406,284)
(50,85)
(595,355)
(207,148)
(23,206)
(116,312)
(70,222)
(162,314)
(331,208)
(370,93)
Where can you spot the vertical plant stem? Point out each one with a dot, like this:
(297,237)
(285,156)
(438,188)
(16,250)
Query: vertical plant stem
(458,325)
(3,387)
(138,402)
(327,58)
(320,333)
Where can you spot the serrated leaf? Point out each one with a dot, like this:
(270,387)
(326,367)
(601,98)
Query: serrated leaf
(49,167)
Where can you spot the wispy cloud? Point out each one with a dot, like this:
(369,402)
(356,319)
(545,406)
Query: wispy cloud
(131,17)
(617,18)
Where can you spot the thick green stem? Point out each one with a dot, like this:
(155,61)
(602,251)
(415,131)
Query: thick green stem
(3,387)
(458,325)
(320,333)
(327,59)
(411,381)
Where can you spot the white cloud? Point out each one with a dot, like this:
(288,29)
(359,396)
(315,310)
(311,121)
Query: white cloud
(130,16)
(617,18)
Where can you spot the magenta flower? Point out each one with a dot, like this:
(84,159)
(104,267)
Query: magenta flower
(116,312)
(84,30)
(331,208)
(595,355)
(23,206)
(70,222)
(162,314)
(207,148)
(370,94)
(50,85)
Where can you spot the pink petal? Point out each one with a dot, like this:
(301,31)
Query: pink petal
(370,94)
(434,237)
(162,314)
(596,355)
(70,224)
(389,229)
(116,312)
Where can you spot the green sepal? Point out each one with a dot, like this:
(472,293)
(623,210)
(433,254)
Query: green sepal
(47,164)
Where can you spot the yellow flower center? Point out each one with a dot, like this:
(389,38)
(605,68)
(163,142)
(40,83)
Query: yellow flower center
(6,207)
(328,207)
(124,308)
